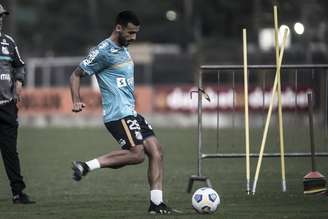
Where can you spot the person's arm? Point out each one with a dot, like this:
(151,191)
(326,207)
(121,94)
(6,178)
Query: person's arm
(19,88)
(75,90)
(19,81)
(19,69)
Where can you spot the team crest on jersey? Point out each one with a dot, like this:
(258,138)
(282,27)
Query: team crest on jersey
(121,82)
(122,142)
(5,50)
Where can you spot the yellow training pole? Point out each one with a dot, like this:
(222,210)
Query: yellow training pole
(259,162)
(246,111)
(280,121)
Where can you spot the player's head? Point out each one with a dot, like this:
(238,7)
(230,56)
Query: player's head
(3,12)
(127,25)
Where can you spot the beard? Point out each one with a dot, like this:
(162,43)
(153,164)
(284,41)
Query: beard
(122,40)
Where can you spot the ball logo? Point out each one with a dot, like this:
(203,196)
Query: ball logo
(212,197)
(198,197)
(206,209)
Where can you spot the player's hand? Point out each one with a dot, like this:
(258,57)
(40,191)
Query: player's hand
(19,89)
(78,107)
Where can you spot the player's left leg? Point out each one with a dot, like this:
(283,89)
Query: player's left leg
(154,152)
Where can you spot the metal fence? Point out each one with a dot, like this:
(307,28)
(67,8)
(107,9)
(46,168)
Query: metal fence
(297,77)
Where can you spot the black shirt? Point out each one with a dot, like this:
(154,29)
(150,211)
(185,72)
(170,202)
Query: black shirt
(11,67)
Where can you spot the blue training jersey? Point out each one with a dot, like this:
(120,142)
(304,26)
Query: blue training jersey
(113,67)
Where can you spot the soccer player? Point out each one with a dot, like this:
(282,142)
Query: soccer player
(112,65)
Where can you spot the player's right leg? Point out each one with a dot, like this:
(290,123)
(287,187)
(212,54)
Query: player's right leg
(115,159)
(127,133)
(80,169)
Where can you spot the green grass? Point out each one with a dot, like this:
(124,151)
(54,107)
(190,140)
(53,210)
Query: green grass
(46,156)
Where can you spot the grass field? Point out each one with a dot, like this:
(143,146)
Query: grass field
(46,156)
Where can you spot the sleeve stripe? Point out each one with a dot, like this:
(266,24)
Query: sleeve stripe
(10,38)
(18,55)
(128,133)
(16,49)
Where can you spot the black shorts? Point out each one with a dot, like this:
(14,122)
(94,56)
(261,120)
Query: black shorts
(130,131)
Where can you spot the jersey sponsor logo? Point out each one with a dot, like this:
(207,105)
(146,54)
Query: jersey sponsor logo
(4,42)
(103,45)
(5,77)
(92,55)
(5,50)
(121,82)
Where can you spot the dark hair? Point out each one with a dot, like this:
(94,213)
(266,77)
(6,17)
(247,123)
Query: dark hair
(125,17)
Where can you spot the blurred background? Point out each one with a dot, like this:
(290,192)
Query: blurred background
(176,37)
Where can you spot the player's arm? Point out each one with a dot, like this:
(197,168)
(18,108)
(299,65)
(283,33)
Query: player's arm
(91,65)
(75,79)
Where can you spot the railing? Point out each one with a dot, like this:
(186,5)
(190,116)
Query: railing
(298,70)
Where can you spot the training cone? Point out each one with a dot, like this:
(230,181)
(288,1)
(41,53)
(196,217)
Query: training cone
(314,183)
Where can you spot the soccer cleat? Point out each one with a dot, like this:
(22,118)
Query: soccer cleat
(22,198)
(160,209)
(80,169)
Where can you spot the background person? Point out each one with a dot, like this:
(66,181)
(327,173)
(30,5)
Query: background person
(12,75)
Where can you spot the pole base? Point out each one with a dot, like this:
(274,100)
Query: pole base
(198,178)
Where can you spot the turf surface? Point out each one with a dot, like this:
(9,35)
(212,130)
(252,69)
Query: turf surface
(46,156)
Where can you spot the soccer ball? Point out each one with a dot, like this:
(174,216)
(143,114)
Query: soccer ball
(205,200)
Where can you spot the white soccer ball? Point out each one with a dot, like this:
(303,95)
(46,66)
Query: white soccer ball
(205,200)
